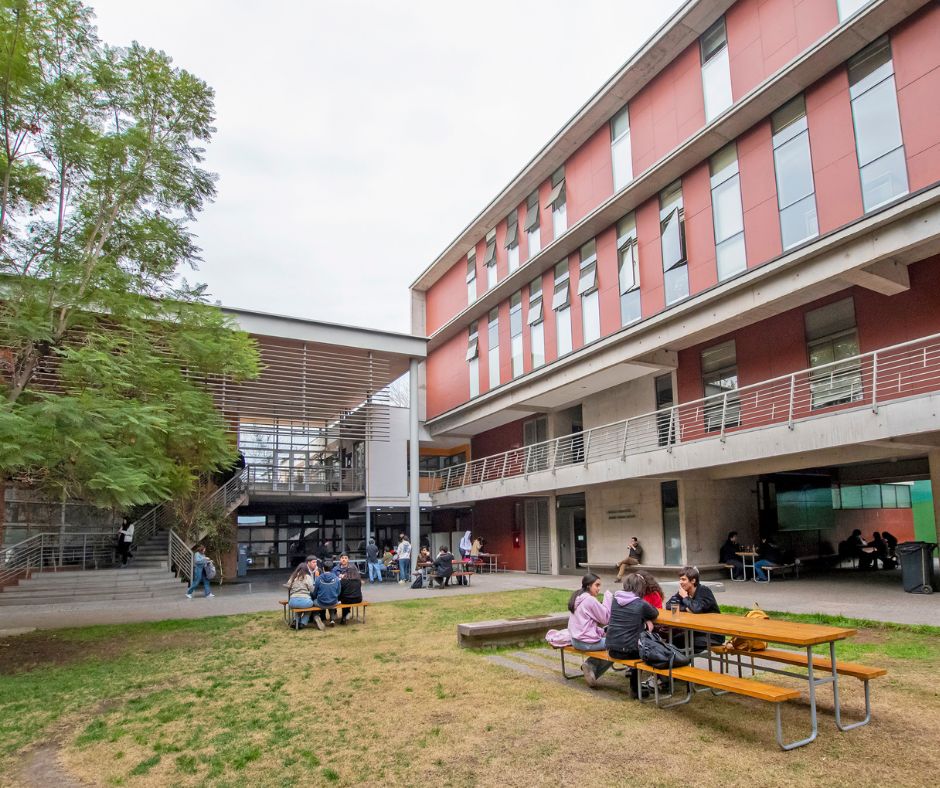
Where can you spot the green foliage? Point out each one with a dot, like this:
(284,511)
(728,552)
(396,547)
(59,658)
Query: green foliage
(104,347)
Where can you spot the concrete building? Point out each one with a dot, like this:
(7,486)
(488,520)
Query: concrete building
(710,301)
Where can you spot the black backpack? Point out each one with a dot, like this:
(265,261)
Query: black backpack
(418,583)
(657,653)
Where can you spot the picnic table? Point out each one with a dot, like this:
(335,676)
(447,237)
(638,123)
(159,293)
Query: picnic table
(490,561)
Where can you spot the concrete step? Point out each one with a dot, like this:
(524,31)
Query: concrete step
(178,591)
(89,593)
(64,581)
(72,574)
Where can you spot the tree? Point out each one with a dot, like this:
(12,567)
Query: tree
(105,347)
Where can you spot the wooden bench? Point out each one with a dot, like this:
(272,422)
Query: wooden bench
(467,575)
(355,606)
(863,673)
(511,631)
(719,683)
(772,569)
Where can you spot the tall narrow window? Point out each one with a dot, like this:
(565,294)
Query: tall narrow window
(473,360)
(532,230)
(727,214)
(796,191)
(557,203)
(536,324)
(587,289)
(628,270)
(512,240)
(832,344)
(620,154)
(471,277)
(515,333)
(719,377)
(848,8)
(716,72)
(881,162)
(489,259)
(561,304)
(672,235)
(492,345)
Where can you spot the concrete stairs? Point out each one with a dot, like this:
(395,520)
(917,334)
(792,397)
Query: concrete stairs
(147,576)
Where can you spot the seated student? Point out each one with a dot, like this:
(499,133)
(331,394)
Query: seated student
(443,567)
(880,553)
(586,625)
(654,592)
(343,567)
(300,590)
(768,555)
(728,555)
(891,541)
(692,597)
(350,589)
(634,556)
(629,616)
(858,548)
(326,595)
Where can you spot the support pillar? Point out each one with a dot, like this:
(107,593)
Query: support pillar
(414,486)
(368,522)
(934,459)
(553,533)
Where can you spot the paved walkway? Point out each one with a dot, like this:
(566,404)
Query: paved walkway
(872,595)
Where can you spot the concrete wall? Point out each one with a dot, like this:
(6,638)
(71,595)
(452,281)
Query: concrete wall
(639,505)
(711,508)
(620,402)
(387,462)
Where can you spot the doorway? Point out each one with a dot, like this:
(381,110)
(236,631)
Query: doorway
(572,534)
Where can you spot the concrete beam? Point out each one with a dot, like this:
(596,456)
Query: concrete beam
(888,277)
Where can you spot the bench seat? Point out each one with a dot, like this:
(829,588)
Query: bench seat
(799,658)
(357,606)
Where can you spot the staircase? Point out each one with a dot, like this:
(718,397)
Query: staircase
(147,576)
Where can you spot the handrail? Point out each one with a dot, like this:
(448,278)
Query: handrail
(180,556)
(867,380)
(54,550)
(307,479)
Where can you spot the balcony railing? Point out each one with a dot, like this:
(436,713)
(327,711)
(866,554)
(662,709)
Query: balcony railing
(869,380)
(303,480)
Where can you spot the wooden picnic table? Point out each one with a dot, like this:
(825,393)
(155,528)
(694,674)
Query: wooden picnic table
(790,633)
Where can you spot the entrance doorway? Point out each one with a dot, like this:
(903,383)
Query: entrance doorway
(572,534)
(538,556)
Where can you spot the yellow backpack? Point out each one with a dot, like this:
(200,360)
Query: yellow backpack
(747,644)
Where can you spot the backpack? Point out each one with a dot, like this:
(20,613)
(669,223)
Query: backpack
(657,653)
(748,644)
(209,570)
(418,583)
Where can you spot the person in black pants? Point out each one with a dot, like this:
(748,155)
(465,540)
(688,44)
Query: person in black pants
(693,597)
(443,566)
(350,589)
(728,554)
(629,616)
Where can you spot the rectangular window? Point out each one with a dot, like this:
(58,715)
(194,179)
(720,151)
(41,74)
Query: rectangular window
(536,324)
(512,240)
(473,360)
(849,8)
(727,213)
(533,233)
(628,269)
(720,376)
(831,338)
(471,277)
(492,344)
(588,290)
(489,259)
(561,304)
(515,333)
(557,203)
(620,153)
(796,190)
(716,72)
(672,235)
(882,167)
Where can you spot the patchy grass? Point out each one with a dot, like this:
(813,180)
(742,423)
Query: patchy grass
(242,701)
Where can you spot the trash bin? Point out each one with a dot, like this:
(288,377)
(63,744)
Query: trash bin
(917,567)
(242,560)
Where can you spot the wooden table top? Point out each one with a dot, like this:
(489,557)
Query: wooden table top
(790,632)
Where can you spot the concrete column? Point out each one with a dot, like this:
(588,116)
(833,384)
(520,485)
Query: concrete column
(415,477)
(934,458)
(368,522)
(553,532)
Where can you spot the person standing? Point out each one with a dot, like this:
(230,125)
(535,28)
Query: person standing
(465,546)
(374,562)
(200,562)
(634,555)
(125,540)
(404,559)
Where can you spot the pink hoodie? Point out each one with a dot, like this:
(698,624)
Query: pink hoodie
(589,618)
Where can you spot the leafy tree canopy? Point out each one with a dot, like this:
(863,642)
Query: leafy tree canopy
(104,346)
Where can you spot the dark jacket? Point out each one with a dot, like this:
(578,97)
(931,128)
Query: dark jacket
(727,553)
(372,553)
(444,564)
(326,590)
(703,602)
(769,552)
(350,589)
(628,617)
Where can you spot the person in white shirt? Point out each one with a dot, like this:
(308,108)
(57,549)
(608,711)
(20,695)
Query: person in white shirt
(404,559)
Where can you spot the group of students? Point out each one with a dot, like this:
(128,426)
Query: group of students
(442,564)
(615,621)
(325,585)
(881,548)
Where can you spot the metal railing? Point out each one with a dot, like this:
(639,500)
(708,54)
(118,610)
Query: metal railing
(310,479)
(52,552)
(180,557)
(869,380)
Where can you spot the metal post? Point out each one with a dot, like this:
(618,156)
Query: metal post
(724,413)
(874,382)
(671,433)
(414,493)
(626,432)
(502,473)
(586,448)
(368,521)
(792,398)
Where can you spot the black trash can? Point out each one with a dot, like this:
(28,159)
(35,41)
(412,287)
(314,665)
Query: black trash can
(917,567)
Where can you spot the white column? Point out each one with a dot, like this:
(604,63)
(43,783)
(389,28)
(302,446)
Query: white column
(368,521)
(415,480)
(553,532)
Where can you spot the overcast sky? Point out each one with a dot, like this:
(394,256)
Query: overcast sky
(356,139)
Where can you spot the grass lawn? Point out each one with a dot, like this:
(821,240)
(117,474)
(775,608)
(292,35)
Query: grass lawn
(244,701)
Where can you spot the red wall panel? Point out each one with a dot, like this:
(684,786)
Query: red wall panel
(652,296)
(608,281)
(589,176)
(447,297)
(759,195)
(832,142)
(495,521)
(448,375)
(498,439)
(699,228)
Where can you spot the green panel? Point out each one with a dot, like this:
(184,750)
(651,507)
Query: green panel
(871,496)
(852,497)
(922,504)
(805,510)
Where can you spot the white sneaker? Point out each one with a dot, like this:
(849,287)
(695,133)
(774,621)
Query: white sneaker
(210,596)
(589,677)
(189,596)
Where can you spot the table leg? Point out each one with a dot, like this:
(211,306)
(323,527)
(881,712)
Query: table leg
(812,707)
(836,702)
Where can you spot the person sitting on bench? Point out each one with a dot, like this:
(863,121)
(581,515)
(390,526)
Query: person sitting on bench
(300,590)
(629,616)
(443,566)
(326,596)
(634,556)
(586,625)
(693,597)
(769,555)
(728,554)
(350,589)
